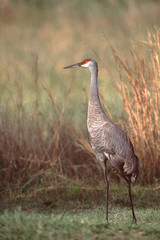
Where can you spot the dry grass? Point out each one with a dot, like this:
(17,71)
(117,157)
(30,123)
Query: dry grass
(140,89)
(42,153)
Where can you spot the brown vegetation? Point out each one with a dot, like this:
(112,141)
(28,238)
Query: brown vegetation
(140,89)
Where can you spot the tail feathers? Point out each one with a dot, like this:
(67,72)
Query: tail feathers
(128,170)
(131,168)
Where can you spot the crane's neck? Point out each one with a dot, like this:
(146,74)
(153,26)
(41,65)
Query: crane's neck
(94,96)
(94,87)
(95,111)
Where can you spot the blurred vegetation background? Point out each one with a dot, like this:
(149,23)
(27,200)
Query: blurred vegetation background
(64,32)
(38,99)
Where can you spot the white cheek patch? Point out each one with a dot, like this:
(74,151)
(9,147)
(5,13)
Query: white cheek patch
(85,65)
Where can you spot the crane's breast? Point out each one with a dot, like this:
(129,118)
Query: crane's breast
(109,138)
(100,138)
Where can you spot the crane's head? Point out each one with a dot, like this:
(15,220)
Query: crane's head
(87,63)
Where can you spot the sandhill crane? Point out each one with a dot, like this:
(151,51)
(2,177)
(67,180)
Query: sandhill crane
(108,141)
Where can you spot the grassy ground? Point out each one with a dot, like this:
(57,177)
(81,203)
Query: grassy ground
(86,224)
(81,217)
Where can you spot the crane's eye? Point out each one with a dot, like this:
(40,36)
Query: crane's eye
(86,61)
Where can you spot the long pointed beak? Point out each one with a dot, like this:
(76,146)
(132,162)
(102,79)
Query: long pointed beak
(73,65)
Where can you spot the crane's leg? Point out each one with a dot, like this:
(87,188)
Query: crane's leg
(102,160)
(107,190)
(131,202)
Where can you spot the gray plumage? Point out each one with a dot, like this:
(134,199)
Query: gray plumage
(108,141)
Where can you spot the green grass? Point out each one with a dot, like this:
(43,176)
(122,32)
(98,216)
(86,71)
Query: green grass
(58,215)
(82,224)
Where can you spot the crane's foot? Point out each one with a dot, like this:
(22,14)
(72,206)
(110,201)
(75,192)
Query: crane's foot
(107,219)
(134,220)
